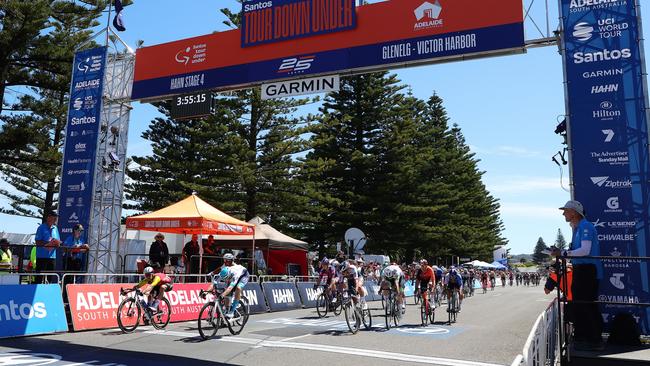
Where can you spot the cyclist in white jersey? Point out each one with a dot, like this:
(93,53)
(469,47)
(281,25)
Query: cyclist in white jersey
(235,277)
(350,272)
(393,277)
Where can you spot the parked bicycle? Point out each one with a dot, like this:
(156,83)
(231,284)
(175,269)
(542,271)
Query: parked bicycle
(213,315)
(134,308)
(354,314)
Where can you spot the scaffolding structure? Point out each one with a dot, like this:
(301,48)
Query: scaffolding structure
(109,172)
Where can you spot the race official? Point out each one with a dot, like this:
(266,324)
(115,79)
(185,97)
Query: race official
(5,256)
(586,276)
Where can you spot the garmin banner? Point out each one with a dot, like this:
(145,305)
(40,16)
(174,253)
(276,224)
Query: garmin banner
(607,125)
(82,131)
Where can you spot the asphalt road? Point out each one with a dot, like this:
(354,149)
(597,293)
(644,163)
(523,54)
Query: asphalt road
(491,330)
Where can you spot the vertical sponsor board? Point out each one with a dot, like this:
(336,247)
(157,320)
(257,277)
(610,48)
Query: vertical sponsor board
(31,309)
(607,100)
(82,132)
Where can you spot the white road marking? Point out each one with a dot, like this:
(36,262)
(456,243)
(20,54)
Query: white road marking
(336,349)
(294,338)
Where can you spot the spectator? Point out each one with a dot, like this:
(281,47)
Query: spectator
(47,240)
(586,275)
(159,253)
(75,256)
(191,252)
(5,256)
(210,250)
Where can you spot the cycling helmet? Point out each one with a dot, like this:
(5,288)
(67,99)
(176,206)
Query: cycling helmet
(325,261)
(224,274)
(335,263)
(345,266)
(423,262)
(148,271)
(228,257)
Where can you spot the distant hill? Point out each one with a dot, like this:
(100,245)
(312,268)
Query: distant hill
(517,258)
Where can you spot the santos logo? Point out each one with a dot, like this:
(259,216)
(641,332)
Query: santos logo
(427,15)
(615,280)
(83,121)
(604,55)
(283,296)
(605,182)
(13,311)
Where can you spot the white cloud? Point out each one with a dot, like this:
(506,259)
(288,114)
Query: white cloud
(506,150)
(520,210)
(518,184)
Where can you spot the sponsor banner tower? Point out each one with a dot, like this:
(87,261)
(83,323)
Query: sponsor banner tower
(608,138)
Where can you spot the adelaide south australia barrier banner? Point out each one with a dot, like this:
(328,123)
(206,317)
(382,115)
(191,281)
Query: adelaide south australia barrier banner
(379,36)
(31,309)
(607,106)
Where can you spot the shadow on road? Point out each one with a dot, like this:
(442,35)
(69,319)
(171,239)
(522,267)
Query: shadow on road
(51,350)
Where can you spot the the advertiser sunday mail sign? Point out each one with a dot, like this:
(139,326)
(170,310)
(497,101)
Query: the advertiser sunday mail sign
(267,21)
(390,34)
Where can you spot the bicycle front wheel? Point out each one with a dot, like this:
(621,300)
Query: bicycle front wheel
(397,312)
(351,317)
(388,311)
(322,304)
(209,321)
(424,317)
(338,305)
(128,315)
(164,314)
(366,318)
(237,323)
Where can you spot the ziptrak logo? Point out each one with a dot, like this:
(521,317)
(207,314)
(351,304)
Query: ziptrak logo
(428,15)
(607,183)
(615,280)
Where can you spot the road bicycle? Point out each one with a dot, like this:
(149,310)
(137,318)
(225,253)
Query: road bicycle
(427,310)
(213,314)
(134,308)
(438,295)
(355,314)
(327,302)
(392,309)
(452,306)
(417,296)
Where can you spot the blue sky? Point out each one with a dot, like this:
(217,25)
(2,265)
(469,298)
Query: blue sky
(507,107)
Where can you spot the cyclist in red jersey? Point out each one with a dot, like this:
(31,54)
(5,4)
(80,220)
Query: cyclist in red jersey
(425,279)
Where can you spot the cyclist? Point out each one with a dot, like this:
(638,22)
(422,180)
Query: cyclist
(454,282)
(425,279)
(360,280)
(493,280)
(470,283)
(235,277)
(156,285)
(393,277)
(503,279)
(327,270)
(350,273)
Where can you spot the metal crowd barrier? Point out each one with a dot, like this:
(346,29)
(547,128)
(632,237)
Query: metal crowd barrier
(542,346)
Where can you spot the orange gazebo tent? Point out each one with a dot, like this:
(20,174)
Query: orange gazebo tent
(190,216)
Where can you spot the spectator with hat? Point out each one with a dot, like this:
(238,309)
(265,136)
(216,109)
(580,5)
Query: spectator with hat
(159,253)
(5,256)
(586,276)
(75,256)
(47,241)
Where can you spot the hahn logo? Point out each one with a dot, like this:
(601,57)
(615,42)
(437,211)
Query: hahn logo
(583,31)
(615,280)
(427,15)
(182,57)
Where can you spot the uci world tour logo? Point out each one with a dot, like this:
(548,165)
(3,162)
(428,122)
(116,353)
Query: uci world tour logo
(428,15)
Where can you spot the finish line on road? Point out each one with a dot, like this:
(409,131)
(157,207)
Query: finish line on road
(257,343)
